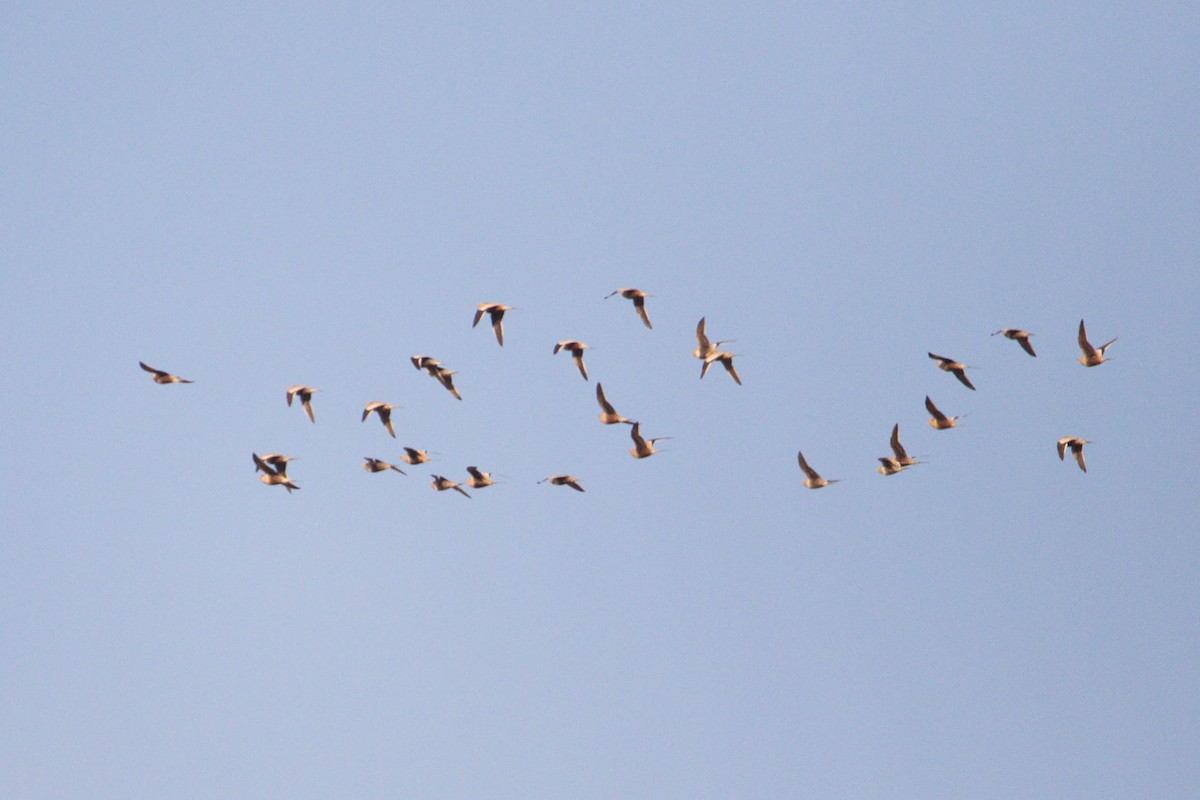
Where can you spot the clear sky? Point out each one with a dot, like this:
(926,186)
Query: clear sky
(258,195)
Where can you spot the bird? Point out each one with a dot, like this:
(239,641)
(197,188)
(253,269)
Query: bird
(642,448)
(442,484)
(159,376)
(726,360)
(479,479)
(414,457)
(900,459)
(703,345)
(564,480)
(496,312)
(437,372)
(575,348)
(1020,337)
(445,377)
(1092,356)
(384,410)
(957,367)
(375,465)
(939,420)
(1076,444)
(272,476)
(608,414)
(305,394)
(813,481)
(639,302)
(276,461)
(430,365)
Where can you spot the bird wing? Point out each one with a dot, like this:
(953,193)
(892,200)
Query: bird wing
(932,409)
(640,304)
(478,315)
(961,374)
(604,404)
(1026,346)
(1084,344)
(898,448)
(805,468)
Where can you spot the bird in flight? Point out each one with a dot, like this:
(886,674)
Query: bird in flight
(442,484)
(813,480)
(414,457)
(273,467)
(900,459)
(159,376)
(939,421)
(726,360)
(496,312)
(642,448)
(564,480)
(479,479)
(384,410)
(375,465)
(1092,356)
(1020,337)
(1076,444)
(608,414)
(305,394)
(575,348)
(957,367)
(703,346)
(639,302)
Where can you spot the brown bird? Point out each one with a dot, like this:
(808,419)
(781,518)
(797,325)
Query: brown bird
(639,302)
(1076,444)
(442,484)
(479,479)
(642,448)
(1092,356)
(446,379)
(384,410)
(608,414)
(276,461)
(726,360)
(575,348)
(158,376)
(496,312)
(375,465)
(414,457)
(703,346)
(271,475)
(813,481)
(430,365)
(957,367)
(900,459)
(564,480)
(1020,337)
(305,394)
(939,421)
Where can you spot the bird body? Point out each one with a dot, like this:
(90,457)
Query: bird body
(496,312)
(442,484)
(608,414)
(1092,356)
(1020,337)
(274,470)
(642,448)
(639,302)
(812,479)
(939,421)
(375,465)
(305,394)
(159,376)
(384,410)
(479,479)
(956,367)
(564,480)
(575,348)
(414,457)
(1076,444)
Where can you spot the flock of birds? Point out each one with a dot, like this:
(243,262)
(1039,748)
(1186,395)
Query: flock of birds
(274,466)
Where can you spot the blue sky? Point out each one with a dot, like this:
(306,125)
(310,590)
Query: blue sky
(254,196)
